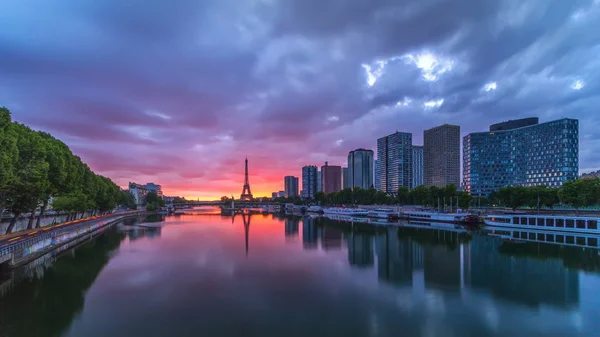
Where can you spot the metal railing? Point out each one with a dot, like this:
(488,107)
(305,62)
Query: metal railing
(55,232)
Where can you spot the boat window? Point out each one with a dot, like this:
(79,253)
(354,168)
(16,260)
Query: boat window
(515,235)
(560,223)
(532,221)
(560,238)
(570,239)
(581,240)
(592,224)
(570,223)
(540,221)
(540,237)
(592,242)
(580,223)
(531,236)
(523,235)
(550,222)
(515,220)
(550,237)
(523,221)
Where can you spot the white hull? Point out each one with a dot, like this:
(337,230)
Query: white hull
(442,217)
(345,211)
(545,228)
(382,215)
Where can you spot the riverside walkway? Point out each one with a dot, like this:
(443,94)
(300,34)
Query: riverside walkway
(25,246)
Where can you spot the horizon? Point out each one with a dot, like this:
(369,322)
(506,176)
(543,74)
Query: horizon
(180,93)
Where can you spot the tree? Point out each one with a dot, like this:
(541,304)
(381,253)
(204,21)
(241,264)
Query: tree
(419,195)
(9,154)
(321,198)
(579,193)
(126,199)
(403,195)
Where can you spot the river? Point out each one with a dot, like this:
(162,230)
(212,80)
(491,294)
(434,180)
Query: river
(264,275)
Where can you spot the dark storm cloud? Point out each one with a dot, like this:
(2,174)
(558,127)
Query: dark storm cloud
(293,80)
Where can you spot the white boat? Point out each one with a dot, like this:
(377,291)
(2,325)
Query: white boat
(383,213)
(315,209)
(341,217)
(346,211)
(564,223)
(443,217)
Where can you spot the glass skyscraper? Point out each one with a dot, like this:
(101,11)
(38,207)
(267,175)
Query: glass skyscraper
(309,182)
(417,166)
(394,161)
(360,169)
(521,153)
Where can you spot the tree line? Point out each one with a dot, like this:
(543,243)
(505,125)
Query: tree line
(575,193)
(35,167)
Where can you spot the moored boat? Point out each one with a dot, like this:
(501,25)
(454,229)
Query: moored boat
(383,213)
(561,223)
(346,211)
(443,217)
(315,209)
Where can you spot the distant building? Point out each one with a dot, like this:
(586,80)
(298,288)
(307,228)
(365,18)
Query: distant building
(394,161)
(346,181)
(521,153)
(591,175)
(139,193)
(376,175)
(331,178)
(152,187)
(309,182)
(274,195)
(417,166)
(319,181)
(360,168)
(441,155)
(281,194)
(291,186)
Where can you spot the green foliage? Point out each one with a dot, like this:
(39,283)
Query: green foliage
(34,166)
(580,193)
(153,198)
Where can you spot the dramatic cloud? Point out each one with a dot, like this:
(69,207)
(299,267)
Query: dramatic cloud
(180,92)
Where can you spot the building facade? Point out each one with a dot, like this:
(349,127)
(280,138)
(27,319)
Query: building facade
(331,178)
(511,154)
(441,156)
(360,168)
(591,175)
(394,162)
(319,182)
(346,178)
(139,193)
(290,184)
(417,166)
(376,175)
(152,187)
(309,182)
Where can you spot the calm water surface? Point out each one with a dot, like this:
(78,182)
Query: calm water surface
(207,275)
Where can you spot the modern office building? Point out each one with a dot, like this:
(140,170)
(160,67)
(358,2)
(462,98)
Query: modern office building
(441,156)
(290,186)
(376,176)
(319,182)
(152,187)
(331,178)
(521,153)
(346,182)
(309,182)
(394,161)
(360,168)
(139,193)
(417,166)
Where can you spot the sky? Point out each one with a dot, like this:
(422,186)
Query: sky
(179,92)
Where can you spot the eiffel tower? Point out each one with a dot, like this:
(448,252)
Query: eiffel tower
(246,194)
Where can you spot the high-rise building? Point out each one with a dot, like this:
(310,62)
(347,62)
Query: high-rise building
(521,153)
(394,161)
(346,178)
(376,175)
(152,187)
(319,182)
(417,166)
(441,156)
(360,168)
(309,182)
(331,178)
(290,186)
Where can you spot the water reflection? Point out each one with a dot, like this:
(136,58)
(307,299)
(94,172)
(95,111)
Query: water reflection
(189,276)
